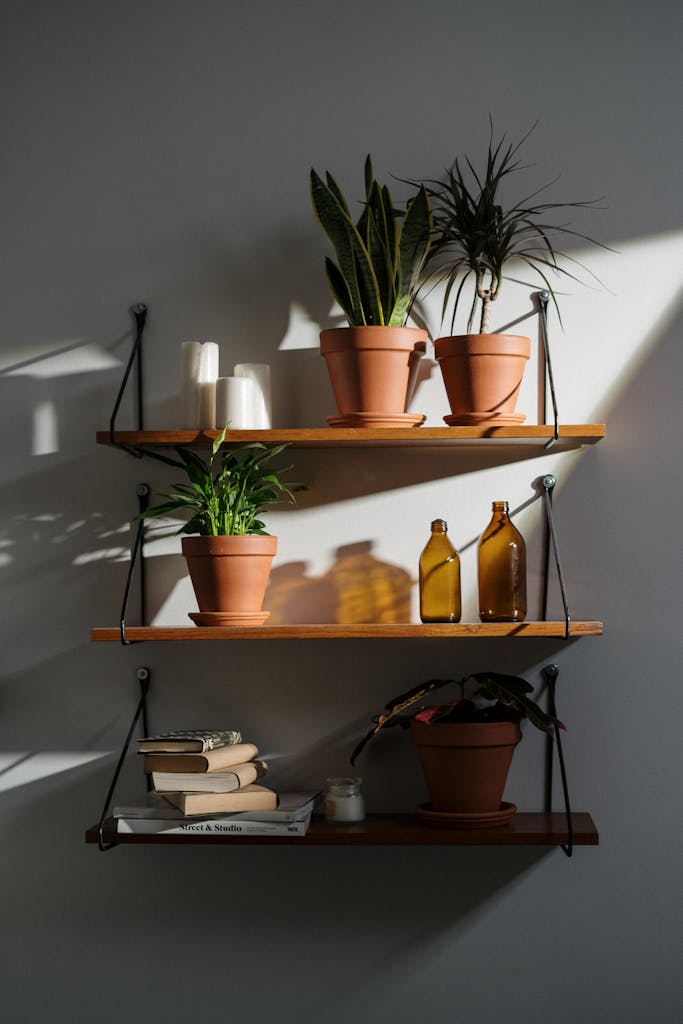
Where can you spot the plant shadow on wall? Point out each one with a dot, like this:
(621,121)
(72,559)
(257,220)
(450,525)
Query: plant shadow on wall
(359,587)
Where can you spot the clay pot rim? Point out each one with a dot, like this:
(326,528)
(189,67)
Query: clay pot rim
(373,336)
(240,544)
(465,734)
(482,344)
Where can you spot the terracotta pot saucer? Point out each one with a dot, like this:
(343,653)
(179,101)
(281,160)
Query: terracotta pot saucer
(484,419)
(228,618)
(450,819)
(376,419)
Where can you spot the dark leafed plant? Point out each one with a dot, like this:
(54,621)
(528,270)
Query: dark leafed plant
(509,696)
(475,236)
(226,495)
(379,257)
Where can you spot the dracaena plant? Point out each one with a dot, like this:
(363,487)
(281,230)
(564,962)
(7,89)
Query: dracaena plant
(226,495)
(380,256)
(476,236)
(508,698)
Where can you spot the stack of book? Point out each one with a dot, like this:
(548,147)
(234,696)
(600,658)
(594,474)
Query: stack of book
(206,782)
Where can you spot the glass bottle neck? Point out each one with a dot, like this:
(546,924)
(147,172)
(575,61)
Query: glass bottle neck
(439,526)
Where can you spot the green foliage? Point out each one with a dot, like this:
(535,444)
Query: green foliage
(510,695)
(226,495)
(379,258)
(475,237)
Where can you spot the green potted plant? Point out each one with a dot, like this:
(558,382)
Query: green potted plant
(475,239)
(465,747)
(230,558)
(380,256)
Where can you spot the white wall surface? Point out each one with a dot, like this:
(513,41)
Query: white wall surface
(160,152)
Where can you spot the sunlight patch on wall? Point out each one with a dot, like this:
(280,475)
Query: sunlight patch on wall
(45,429)
(20,768)
(47,361)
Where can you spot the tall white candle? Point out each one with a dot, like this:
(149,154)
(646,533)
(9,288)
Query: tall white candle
(235,403)
(260,374)
(198,374)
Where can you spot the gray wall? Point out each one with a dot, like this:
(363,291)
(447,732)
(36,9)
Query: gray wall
(160,151)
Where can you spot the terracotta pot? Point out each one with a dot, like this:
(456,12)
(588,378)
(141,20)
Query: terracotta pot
(482,374)
(465,764)
(229,574)
(370,367)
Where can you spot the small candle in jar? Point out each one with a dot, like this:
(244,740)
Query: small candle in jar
(344,800)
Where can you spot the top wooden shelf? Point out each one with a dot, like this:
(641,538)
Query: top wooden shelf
(570,436)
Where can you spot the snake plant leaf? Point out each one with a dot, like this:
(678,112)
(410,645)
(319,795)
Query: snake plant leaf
(340,289)
(337,193)
(378,289)
(336,222)
(413,244)
(368,287)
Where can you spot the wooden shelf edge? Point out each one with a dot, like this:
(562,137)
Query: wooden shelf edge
(359,631)
(317,437)
(525,829)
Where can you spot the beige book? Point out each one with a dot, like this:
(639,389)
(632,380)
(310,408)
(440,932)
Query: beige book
(209,782)
(249,798)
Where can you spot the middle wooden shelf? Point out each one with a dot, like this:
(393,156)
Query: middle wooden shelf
(360,630)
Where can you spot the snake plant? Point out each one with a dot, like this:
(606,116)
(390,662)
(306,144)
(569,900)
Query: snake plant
(380,256)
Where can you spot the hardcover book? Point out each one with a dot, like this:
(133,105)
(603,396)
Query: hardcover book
(211,826)
(189,740)
(216,760)
(291,807)
(209,782)
(249,798)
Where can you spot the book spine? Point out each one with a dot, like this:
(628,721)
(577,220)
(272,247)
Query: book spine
(156,826)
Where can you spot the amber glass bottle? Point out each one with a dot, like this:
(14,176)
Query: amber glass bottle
(501,558)
(440,577)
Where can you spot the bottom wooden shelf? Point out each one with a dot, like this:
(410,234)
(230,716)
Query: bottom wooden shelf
(525,829)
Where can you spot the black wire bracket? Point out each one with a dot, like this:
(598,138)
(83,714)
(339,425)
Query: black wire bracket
(139,312)
(543,298)
(551,673)
(143,675)
(142,491)
(548,482)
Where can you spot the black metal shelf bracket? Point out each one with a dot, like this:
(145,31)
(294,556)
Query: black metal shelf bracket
(549,483)
(139,312)
(142,491)
(551,673)
(543,298)
(143,675)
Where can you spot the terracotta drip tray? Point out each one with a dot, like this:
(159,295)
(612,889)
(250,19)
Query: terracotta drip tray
(450,819)
(229,618)
(377,419)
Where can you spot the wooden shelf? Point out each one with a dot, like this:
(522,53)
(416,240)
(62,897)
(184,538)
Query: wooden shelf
(392,830)
(570,436)
(359,631)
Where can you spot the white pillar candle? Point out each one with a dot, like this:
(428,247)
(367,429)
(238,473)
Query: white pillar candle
(235,403)
(260,374)
(198,374)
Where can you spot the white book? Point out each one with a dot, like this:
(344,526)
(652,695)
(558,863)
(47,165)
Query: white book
(211,826)
(291,807)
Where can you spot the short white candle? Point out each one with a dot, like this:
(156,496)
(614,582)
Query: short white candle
(260,374)
(235,403)
(198,374)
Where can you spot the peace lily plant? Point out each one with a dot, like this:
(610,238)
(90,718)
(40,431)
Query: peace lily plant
(224,498)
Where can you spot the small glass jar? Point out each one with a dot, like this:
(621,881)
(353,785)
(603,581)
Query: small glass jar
(344,800)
